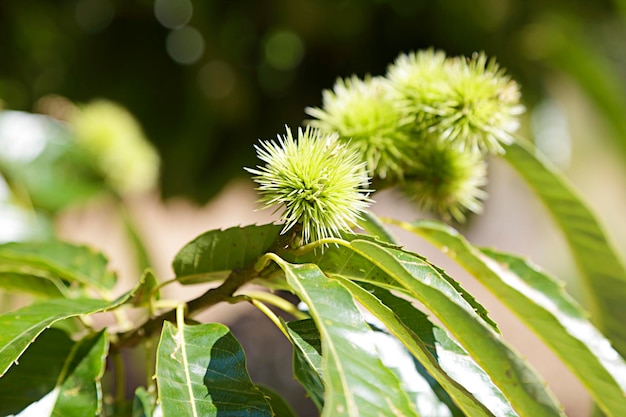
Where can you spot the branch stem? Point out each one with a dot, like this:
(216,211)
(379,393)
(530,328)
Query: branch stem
(224,292)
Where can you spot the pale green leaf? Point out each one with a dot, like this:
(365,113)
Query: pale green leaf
(357,382)
(212,255)
(602,270)
(201,371)
(542,303)
(56,377)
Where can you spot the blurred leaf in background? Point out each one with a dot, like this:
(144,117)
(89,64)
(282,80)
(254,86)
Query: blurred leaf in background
(206,79)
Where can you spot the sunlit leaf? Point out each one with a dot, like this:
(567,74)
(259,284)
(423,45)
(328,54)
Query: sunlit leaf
(56,377)
(201,371)
(444,359)
(212,255)
(509,372)
(396,357)
(347,262)
(542,303)
(357,382)
(602,270)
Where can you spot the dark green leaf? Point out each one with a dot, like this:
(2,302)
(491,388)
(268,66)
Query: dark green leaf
(21,327)
(307,358)
(37,372)
(81,392)
(602,270)
(542,303)
(56,377)
(201,371)
(57,261)
(280,407)
(212,255)
(357,382)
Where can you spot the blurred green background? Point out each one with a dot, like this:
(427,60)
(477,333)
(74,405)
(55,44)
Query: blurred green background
(207,79)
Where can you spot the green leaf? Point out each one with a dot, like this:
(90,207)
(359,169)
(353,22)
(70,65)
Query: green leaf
(348,263)
(37,373)
(445,360)
(19,279)
(519,383)
(307,358)
(542,303)
(357,382)
(201,371)
(588,354)
(212,255)
(56,261)
(81,392)
(146,293)
(602,270)
(280,407)
(21,327)
(56,377)
(396,357)
(374,227)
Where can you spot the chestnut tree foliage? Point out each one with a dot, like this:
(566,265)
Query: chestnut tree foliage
(364,335)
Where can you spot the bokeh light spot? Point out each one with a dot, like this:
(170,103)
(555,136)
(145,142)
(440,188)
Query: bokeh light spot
(173,14)
(216,79)
(22,136)
(185,45)
(284,50)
